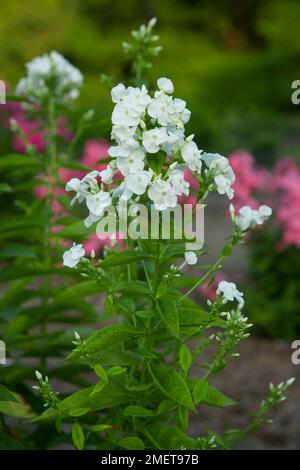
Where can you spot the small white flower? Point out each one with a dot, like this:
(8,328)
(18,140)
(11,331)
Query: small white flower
(107,175)
(192,156)
(72,256)
(153,139)
(264,212)
(117,93)
(248,218)
(166,85)
(180,186)
(138,182)
(222,172)
(65,78)
(132,164)
(162,194)
(190,258)
(122,133)
(97,203)
(230,292)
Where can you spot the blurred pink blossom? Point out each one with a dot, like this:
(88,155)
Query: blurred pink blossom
(32,130)
(250,179)
(96,244)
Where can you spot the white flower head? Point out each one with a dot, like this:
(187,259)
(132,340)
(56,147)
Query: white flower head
(72,256)
(248,218)
(107,175)
(138,182)
(264,212)
(98,202)
(230,292)
(222,172)
(51,73)
(190,258)
(192,156)
(153,139)
(178,183)
(162,194)
(166,85)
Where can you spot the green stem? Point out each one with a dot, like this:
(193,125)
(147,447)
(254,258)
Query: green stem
(203,278)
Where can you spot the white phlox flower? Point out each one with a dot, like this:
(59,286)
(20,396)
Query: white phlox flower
(230,292)
(162,194)
(222,172)
(178,183)
(51,73)
(72,256)
(190,258)
(248,218)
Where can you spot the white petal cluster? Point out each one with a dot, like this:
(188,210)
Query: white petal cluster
(144,126)
(248,218)
(51,73)
(230,292)
(91,190)
(72,256)
(190,258)
(221,171)
(151,152)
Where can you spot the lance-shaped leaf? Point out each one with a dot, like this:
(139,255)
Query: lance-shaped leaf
(172,385)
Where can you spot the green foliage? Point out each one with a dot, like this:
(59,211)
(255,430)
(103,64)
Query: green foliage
(132,381)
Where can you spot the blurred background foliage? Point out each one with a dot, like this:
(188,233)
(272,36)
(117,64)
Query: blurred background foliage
(233,61)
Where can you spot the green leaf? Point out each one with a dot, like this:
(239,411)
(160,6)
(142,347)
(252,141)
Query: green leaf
(173,385)
(8,443)
(17,161)
(138,411)
(79,412)
(169,314)
(110,395)
(185,358)
(125,257)
(106,337)
(77,436)
(200,391)
(169,438)
(101,372)
(78,290)
(131,443)
(101,427)
(18,408)
(116,370)
(17,250)
(5,188)
(132,288)
(214,397)
(6,395)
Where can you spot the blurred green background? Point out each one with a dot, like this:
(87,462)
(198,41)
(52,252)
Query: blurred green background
(233,61)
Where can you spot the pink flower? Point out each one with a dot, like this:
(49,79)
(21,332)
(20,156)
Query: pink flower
(94,151)
(250,179)
(96,244)
(33,132)
(286,185)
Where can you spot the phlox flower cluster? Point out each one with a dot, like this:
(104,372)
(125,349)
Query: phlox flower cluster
(151,153)
(50,74)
